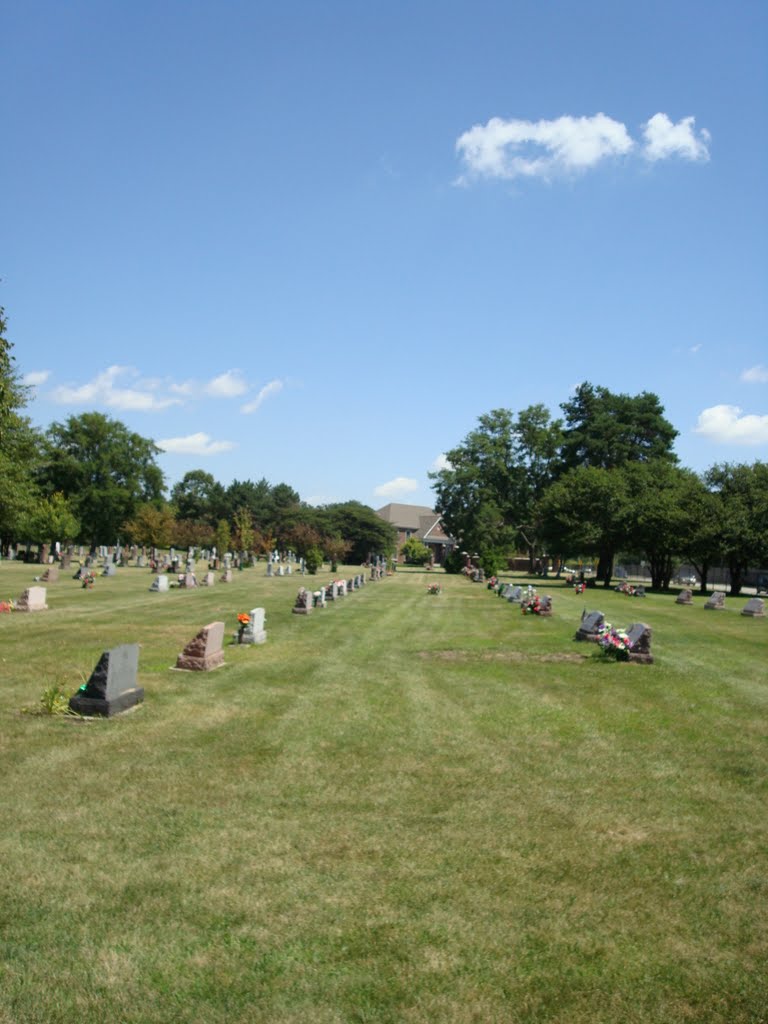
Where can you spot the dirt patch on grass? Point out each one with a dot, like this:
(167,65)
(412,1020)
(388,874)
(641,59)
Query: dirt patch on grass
(514,656)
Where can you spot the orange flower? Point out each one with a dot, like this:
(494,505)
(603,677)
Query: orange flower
(243,619)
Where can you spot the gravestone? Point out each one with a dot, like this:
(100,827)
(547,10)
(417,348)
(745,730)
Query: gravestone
(51,574)
(591,623)
(254,632)
(208,580)
(204,652)
(640,635)
(112,687)
(362,579)
(318,598)
(342,591)
(716,601)
(32,600)
(515,596)
(755,607)
(505,590)
(269,568)
(159,585)
(639,591)
(66,560)
(226,576)
(109,569)
(684,597)
(190,580)
(288,569)
(303,604)
(350,586)
(545,605)
(280,571)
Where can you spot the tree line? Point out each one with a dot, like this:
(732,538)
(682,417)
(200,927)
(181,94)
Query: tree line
(601,481)
(91,480)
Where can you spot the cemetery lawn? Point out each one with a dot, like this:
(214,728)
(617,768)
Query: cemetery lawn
(400,808)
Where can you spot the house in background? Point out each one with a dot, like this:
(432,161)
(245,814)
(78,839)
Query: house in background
(421,522)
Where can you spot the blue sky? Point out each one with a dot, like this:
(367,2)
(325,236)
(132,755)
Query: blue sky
(313,242)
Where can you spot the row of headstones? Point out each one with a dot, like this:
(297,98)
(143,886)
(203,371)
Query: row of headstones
(516,595)
(112,687)
(755,606)
(306,600)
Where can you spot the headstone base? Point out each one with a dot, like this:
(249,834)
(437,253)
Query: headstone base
(91,706)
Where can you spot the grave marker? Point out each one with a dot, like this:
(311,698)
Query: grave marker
(755,607)
(32,600)
(112,687)
(204,653)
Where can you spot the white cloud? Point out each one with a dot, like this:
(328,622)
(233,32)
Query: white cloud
(195,444)
(441,462)
(663,139)
(272,388)
(725,423)
(226,385)
(511,149)
(35,377)
(695,348)
(756,375)
(102,390)
(396,488)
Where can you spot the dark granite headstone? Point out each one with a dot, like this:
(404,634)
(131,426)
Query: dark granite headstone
(303,604)
(112,687)
(640,635)
(591,622)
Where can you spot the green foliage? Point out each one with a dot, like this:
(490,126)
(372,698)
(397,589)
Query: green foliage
(415,552)
(313,559)
(198,497)
(223,537)
(244,533)
(152,525)
(53,701)
(742,533)
(358,524)
(105,471)
(50,519)
(19,446)
(605,430)
(454,562)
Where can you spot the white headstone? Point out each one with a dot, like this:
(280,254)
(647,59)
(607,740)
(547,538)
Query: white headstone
(160,585)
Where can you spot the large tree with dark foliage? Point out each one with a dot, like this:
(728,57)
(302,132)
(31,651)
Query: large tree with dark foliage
(742,493)
(104,469)
(19,445)
(607,430)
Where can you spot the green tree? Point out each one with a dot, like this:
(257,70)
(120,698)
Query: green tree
(244,533)
(742,491)
(198,497)
(358,524)
(488,492)
(587,511)
(20,446)
(223,537)
(607,430)
(662,505)
(105,470)
(49,520)
(415,552)
(151,525)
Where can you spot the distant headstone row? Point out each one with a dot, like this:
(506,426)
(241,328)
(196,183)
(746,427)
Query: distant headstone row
(306,600)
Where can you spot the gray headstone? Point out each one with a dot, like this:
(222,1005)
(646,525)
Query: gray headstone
(755,607)
(112,687)
(684,597)
(208,580)
(254,632)
(159,585)
(109,569)
(716,601)
(591,623)
(640,635)
(269,568)
(515,596)
(303,604)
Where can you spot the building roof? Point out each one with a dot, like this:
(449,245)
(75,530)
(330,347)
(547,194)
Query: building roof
(425,523)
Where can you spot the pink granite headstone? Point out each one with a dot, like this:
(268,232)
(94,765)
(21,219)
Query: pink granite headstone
(32,600)
(204,652)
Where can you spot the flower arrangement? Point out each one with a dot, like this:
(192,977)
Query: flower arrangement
(579,588)
(6,606)
(614,643)
(88,579)
(531,603)
(626,588)
(242,619)
(433,588)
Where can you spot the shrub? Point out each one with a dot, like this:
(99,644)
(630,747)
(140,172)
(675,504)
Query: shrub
(313,559)
(415,552)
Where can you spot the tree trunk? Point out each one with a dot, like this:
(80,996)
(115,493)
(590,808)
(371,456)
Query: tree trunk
(605,568)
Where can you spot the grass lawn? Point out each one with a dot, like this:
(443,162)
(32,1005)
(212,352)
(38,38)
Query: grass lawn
(400,808)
